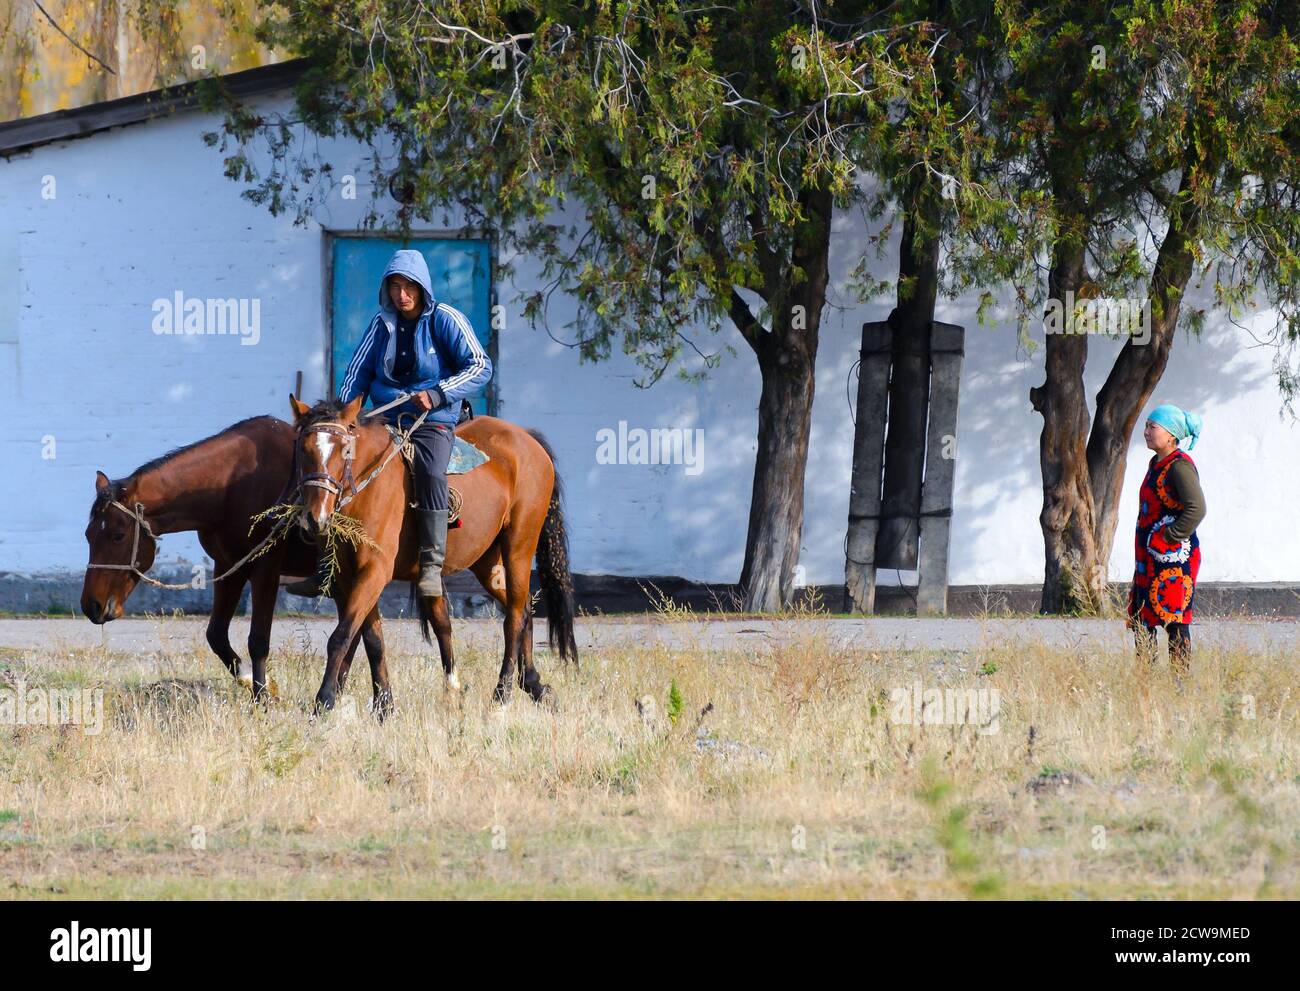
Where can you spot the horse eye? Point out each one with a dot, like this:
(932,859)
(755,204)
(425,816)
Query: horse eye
(119,537)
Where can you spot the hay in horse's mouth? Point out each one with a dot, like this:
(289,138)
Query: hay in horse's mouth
(338,529)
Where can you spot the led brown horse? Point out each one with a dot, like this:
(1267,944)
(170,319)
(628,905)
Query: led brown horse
(510,513)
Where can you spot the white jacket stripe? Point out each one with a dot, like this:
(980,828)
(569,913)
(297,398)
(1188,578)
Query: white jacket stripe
(358,359)
(477,363)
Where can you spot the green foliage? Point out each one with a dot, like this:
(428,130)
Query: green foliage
(655,158)
(961,857)
(1120,126)
(675,702)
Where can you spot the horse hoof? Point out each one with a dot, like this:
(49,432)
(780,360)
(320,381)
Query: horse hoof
(547,698)
(501,694)
(454,684)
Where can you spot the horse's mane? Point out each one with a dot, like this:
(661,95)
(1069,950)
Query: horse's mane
(332,409)
(117,486)
(326,409)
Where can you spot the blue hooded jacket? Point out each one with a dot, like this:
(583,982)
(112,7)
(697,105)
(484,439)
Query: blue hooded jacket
(449,361)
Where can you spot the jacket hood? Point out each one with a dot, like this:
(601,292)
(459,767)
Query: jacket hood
(409,263)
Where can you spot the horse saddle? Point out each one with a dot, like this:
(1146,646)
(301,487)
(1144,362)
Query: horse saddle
(464,457)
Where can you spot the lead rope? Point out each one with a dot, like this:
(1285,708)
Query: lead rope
(141,522)
(398,443)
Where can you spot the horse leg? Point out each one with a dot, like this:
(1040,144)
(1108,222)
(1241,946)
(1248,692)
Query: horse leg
(225,597)
(355,604)
(346,664)
(266,585)
(518,568)
(377,644)
(529,678)
(438,614)
(525,659)
(372,633)
(490,571)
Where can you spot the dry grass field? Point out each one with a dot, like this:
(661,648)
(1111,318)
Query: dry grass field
(1095,779)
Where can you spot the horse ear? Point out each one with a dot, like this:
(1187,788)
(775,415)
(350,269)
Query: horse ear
(101,481)
(300,409)
(351,410)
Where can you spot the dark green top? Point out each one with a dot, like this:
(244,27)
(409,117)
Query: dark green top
(1185,486)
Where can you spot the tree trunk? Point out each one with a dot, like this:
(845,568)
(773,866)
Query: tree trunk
(898,538)
(787,358)
(1139,367)
(776,505)
(1083,468)
(1071,579)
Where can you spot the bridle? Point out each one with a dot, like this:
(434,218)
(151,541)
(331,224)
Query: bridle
(323,479)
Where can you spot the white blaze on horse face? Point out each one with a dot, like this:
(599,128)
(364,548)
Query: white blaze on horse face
(324,447)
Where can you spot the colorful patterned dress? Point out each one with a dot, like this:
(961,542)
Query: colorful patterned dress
(1164,576)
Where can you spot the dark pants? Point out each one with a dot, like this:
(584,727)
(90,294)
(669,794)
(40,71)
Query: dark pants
(432,442)
(1180,644)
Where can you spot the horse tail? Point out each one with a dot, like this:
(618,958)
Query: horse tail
(418,608)
(553,569)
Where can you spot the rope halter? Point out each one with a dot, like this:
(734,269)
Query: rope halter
(140,524)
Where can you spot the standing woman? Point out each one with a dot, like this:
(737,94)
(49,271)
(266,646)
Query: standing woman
(1170,507)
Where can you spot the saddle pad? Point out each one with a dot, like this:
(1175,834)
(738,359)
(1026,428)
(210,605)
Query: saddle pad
(464,457)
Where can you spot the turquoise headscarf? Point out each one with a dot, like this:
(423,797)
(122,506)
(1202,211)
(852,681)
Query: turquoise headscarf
(1179,422)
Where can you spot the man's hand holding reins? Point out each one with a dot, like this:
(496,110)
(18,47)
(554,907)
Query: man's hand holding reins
(426,400)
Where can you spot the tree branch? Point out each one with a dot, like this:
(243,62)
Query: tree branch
(55,25)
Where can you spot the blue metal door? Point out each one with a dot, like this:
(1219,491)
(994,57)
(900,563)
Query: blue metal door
(461,272)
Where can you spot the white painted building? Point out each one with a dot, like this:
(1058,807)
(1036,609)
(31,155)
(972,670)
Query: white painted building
(93,230)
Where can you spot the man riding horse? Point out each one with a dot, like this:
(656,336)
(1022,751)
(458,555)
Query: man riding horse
(419,346)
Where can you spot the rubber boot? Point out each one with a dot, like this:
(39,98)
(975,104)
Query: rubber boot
(433,549)
(311,585)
